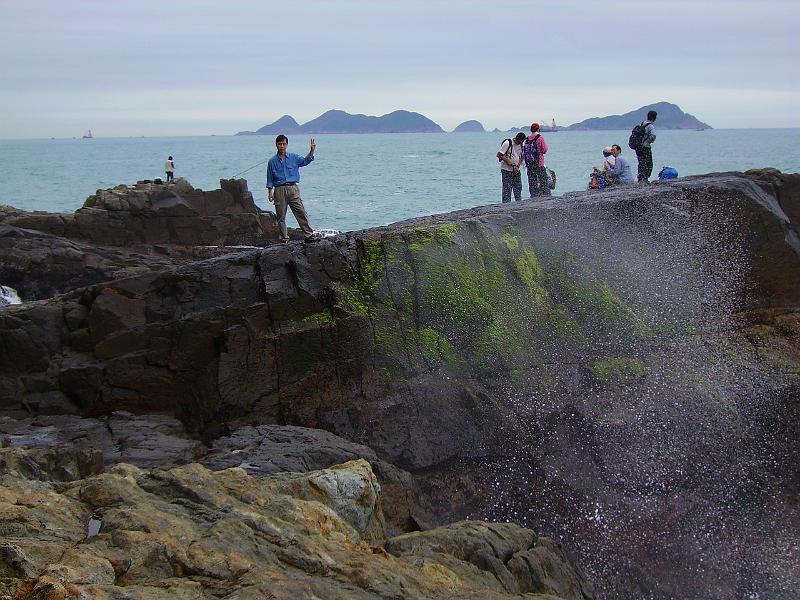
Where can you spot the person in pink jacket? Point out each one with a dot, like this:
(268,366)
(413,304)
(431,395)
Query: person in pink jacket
(534,150)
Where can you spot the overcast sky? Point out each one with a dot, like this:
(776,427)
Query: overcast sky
(174,67)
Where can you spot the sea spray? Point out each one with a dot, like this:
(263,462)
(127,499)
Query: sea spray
(658,433)
(8,295)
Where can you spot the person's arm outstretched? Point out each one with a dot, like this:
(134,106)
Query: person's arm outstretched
(308,157)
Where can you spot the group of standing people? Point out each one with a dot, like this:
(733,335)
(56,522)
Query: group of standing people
(529,150)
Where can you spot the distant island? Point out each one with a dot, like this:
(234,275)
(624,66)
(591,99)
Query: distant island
(339,121)
(670,116)
(469,127)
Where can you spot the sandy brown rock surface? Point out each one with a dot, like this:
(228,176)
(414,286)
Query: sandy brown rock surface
(195,534)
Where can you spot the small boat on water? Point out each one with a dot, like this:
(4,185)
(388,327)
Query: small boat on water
(88,135)
(552,128)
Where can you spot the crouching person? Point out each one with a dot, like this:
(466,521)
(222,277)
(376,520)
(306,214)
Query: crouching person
(621,169)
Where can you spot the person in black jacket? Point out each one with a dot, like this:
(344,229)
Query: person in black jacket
(644,154)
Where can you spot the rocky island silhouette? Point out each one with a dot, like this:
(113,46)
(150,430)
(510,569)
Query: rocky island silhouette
(404,121)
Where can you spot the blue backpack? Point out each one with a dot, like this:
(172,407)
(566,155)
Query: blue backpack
(530,151)
(668,173)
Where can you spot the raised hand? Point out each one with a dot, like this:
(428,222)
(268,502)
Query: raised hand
(313,146)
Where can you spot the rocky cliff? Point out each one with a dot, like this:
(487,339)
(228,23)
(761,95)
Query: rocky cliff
(617,369)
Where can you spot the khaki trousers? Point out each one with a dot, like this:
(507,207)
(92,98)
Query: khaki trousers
(289,195)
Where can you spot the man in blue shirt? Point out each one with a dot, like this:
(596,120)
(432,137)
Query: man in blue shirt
(283,175)
(621,168)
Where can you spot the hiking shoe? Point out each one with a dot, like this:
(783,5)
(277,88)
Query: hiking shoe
(312,238)
(284,240)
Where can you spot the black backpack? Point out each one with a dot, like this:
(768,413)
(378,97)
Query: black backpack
(638,134)
(510,146)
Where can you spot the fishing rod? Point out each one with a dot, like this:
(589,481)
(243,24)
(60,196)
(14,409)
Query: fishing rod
(250,168)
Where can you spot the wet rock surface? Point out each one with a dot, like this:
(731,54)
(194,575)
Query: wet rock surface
(619,370)
(70,447)
(39,265)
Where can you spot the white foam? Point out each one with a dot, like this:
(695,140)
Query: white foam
(9,296)
(327,232)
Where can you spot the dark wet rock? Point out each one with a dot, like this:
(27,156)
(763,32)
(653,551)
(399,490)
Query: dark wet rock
(70,447)
(617,369)
(126,231)
(40,265)
(270,449)
(64,462)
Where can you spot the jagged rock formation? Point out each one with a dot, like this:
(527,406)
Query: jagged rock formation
(126,231)
(605,366)
(154,213)
(194,534)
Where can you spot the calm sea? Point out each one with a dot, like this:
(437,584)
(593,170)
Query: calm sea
(361,181)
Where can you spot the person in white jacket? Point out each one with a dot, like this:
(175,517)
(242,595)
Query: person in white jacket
(169,167)
(510,157)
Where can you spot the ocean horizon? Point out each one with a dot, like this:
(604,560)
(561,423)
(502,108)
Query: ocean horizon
(362,180)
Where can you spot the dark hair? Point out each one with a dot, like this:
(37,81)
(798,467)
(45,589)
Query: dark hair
(281,138)
(616,146)
(169,158)
(651,116)
(520,136)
